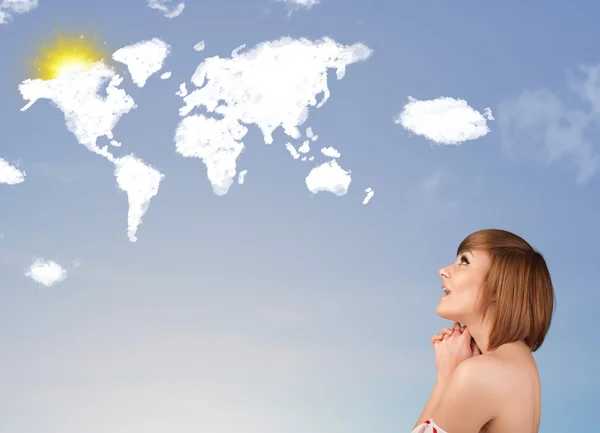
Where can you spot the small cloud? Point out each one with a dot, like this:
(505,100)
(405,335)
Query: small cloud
(9,174)
(8,8)
(166,75)
(242,176)
(444,120)
(290,147)
(182,90)
(299,4)
(328,177)
(369,196)
(167,8)
(199,46)
(143,59)
(305,148)
(330,152)
(539,118)
(45,272)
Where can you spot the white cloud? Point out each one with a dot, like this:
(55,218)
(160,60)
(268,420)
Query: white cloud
(305,148)
(297,4)
(10,7)
(272,85)
(330,152)
(88,115)
(369,196)
(242,176)
(143,59)
(199,46)
(166,75)
(45,272)
(182,90)
(216,142)
(140,182)
(290,147)
(237,50)
(167,7)
(9,174)
(328,177)
(444,120)
(539,118)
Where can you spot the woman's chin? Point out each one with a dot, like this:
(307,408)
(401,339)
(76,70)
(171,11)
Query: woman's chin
(441,311)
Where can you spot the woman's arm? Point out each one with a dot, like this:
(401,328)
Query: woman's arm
(443,376)
(452,348)
(469,399)
(438,390)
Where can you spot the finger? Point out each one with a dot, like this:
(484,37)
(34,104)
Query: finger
(447,331)
(466,334)
(437,337)
(456,326)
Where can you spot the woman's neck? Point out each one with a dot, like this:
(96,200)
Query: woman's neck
(481,334)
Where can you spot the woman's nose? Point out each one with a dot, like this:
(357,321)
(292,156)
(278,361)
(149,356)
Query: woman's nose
(443,273)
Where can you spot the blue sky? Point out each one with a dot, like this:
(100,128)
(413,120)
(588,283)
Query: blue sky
(271,308)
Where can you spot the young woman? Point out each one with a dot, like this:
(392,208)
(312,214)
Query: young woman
(500,289)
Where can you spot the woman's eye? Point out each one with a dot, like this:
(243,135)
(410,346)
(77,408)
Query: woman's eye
(463,260)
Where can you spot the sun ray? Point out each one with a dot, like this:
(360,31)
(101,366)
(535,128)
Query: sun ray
(67,55)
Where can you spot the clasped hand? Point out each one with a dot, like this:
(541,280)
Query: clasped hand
(451,347)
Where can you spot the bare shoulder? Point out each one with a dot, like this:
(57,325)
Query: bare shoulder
(490,393)
(490,378)
(480,370)
(470,400)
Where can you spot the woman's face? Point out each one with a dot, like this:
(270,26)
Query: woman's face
(464,279)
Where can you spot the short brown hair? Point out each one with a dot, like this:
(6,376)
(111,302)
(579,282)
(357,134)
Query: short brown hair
(517,289)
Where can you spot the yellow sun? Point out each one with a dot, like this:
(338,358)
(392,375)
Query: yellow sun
(66,55)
